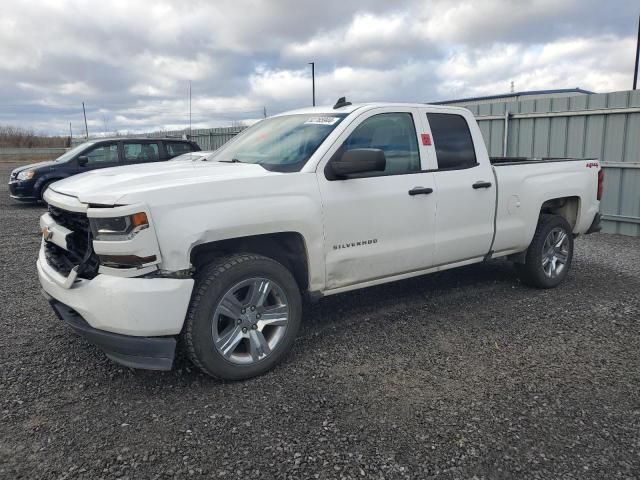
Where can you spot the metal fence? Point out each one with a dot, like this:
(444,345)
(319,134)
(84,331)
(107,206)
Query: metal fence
(20,152)
(604,126)
(206,138)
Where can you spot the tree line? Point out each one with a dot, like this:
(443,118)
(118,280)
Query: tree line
(17,137)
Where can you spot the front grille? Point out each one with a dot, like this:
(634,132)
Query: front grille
(74,221)
(59,258)
(79,241)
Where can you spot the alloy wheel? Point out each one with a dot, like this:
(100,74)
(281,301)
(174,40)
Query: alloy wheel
(555,252)
(250,320)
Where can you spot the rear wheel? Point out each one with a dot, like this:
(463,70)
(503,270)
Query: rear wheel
(548,258)
(243,318)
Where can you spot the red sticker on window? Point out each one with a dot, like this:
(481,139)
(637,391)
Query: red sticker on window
(426,138)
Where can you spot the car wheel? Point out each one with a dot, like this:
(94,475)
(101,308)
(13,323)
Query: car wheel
(243,318)
(548,258)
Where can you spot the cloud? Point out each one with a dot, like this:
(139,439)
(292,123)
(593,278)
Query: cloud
(131,62)
(369,40)
(597,64)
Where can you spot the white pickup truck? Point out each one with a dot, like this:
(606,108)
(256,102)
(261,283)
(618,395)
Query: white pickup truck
(219,252)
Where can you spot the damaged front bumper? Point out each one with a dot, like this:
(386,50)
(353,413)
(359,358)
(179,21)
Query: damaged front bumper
(150,353)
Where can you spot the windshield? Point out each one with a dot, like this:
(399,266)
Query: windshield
(71,153)
(282,144)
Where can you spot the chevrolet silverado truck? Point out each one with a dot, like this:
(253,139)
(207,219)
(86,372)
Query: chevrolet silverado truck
(216,255)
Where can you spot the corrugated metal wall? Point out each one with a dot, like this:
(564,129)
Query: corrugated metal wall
(602,126)
(206,138)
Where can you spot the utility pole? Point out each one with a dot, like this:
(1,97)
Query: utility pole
(635,71)
(264,112)
(86,129)
(313,82)
(189,109)
(70,135)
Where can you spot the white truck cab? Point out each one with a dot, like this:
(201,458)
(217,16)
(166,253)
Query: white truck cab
(313,202)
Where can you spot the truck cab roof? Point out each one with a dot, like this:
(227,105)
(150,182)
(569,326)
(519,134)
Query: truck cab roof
(330,110)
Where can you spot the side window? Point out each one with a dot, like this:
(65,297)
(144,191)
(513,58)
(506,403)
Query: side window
(103,154)
(140,152)
(453,142)
(177,148)
(393,133)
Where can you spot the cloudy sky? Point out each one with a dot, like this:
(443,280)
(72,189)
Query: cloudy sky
(131,61)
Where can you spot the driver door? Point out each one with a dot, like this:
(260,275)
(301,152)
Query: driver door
(379,224)
(103,155)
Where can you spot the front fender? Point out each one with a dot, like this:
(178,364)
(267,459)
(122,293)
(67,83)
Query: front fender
(274,204)
(41,181)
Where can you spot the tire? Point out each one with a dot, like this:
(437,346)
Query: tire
(229,339)
(544,266)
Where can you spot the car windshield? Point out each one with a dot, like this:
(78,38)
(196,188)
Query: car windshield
(282,144)
(71,153)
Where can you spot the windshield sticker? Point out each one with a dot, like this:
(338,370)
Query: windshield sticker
(322,120)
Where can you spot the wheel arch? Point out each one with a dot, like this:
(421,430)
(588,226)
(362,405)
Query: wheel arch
(566,207)
(47,180)
(287,248)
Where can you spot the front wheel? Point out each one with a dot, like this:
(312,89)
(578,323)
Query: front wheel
(549,256)
(40,196)
(244,316)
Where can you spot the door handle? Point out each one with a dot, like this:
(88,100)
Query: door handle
(481,184)
(420,191)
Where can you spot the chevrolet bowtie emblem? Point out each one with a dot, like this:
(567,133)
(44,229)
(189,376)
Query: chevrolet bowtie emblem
(46,234)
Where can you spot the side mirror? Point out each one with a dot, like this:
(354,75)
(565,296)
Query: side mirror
(82,160)
(358,160)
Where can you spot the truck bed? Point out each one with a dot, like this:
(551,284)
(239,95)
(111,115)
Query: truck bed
(499,161)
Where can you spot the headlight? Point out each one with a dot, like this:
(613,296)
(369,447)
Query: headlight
(118,228)
(26,175)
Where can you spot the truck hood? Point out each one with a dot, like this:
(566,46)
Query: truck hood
(111,186)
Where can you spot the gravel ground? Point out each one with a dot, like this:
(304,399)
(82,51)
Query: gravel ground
(463,374)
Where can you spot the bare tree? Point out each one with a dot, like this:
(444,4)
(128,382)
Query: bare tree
(18,137)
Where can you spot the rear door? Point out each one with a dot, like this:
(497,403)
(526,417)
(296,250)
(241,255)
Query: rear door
(140,151)
(381,224)
(175,148)
(466,190)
